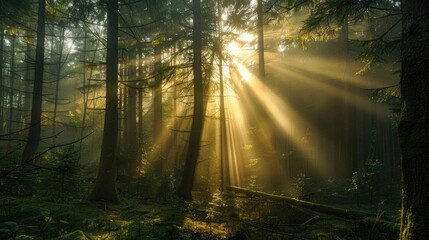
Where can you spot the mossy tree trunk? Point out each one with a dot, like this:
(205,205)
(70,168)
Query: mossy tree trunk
(414,124)
(105,184)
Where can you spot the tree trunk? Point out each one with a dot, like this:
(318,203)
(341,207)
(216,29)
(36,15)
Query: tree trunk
(123,105)
(131,127)
(36,106)
(140,102)
(105,185)
(85,91)
(58,78)
(11,84)
(157,134)
(414,123)
(224,162)
(265,126)
(342,134)
(140,114)
(185,188)
(157,98)
(1,80)
(27,81)
(261,56)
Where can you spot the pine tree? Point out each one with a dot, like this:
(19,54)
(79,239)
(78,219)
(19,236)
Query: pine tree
(105,185)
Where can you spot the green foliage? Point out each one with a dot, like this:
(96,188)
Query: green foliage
(328,18)
(253,183)
(392,97)
(34,221)
(74,120)
(9,229)
(215,206)
(302,185)
(157,187)
(64,172)
(327,15)
(375,51)
(365,185)
(11,8)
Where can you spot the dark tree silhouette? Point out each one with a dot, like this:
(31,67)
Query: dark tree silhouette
(185,188)
(414,124)
(36,107)
(105,185)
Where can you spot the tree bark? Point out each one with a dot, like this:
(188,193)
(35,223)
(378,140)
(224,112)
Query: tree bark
(185,187)
(58,77)
(85,92)
(261,55)
(105,185)
(157,134)
(131,127)
(36,106)
(11,84)
(140,115)
(343,135)
(414,123)
(321,208)
(1,79)
(157,98)
(224,162)
(27,80)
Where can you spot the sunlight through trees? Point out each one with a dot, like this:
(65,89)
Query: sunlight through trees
(244,119)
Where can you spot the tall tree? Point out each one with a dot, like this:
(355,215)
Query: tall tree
(1,79)
(9,10)
(105,184)
(59,65)
(414,85)
(261,54)
(28,80)
(131,145)
(12,74)
(414,123)
(157,111)
(36,107)
(185,187)
(157,95)
(224,161)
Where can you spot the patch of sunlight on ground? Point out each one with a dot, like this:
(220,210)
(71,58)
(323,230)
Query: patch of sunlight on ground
(205,226)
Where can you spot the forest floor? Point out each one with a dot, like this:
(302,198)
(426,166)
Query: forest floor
(44,217)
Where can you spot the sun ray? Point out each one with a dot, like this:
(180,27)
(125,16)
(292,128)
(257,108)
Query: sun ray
(288,121)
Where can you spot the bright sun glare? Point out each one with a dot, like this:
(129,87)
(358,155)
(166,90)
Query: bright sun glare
(233,48)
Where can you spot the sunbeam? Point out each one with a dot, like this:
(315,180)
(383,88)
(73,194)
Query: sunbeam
(287,120)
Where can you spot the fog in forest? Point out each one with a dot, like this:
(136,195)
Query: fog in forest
(204,113)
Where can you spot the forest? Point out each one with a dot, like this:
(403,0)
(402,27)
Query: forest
(214,119)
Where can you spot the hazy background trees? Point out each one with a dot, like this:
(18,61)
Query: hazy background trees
(191,96)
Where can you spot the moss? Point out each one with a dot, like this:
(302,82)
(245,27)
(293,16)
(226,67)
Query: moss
(24,237)
(382,227)
(75,235)
(134,219)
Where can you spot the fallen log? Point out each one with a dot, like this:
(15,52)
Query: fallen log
(320,208)
(366,220)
